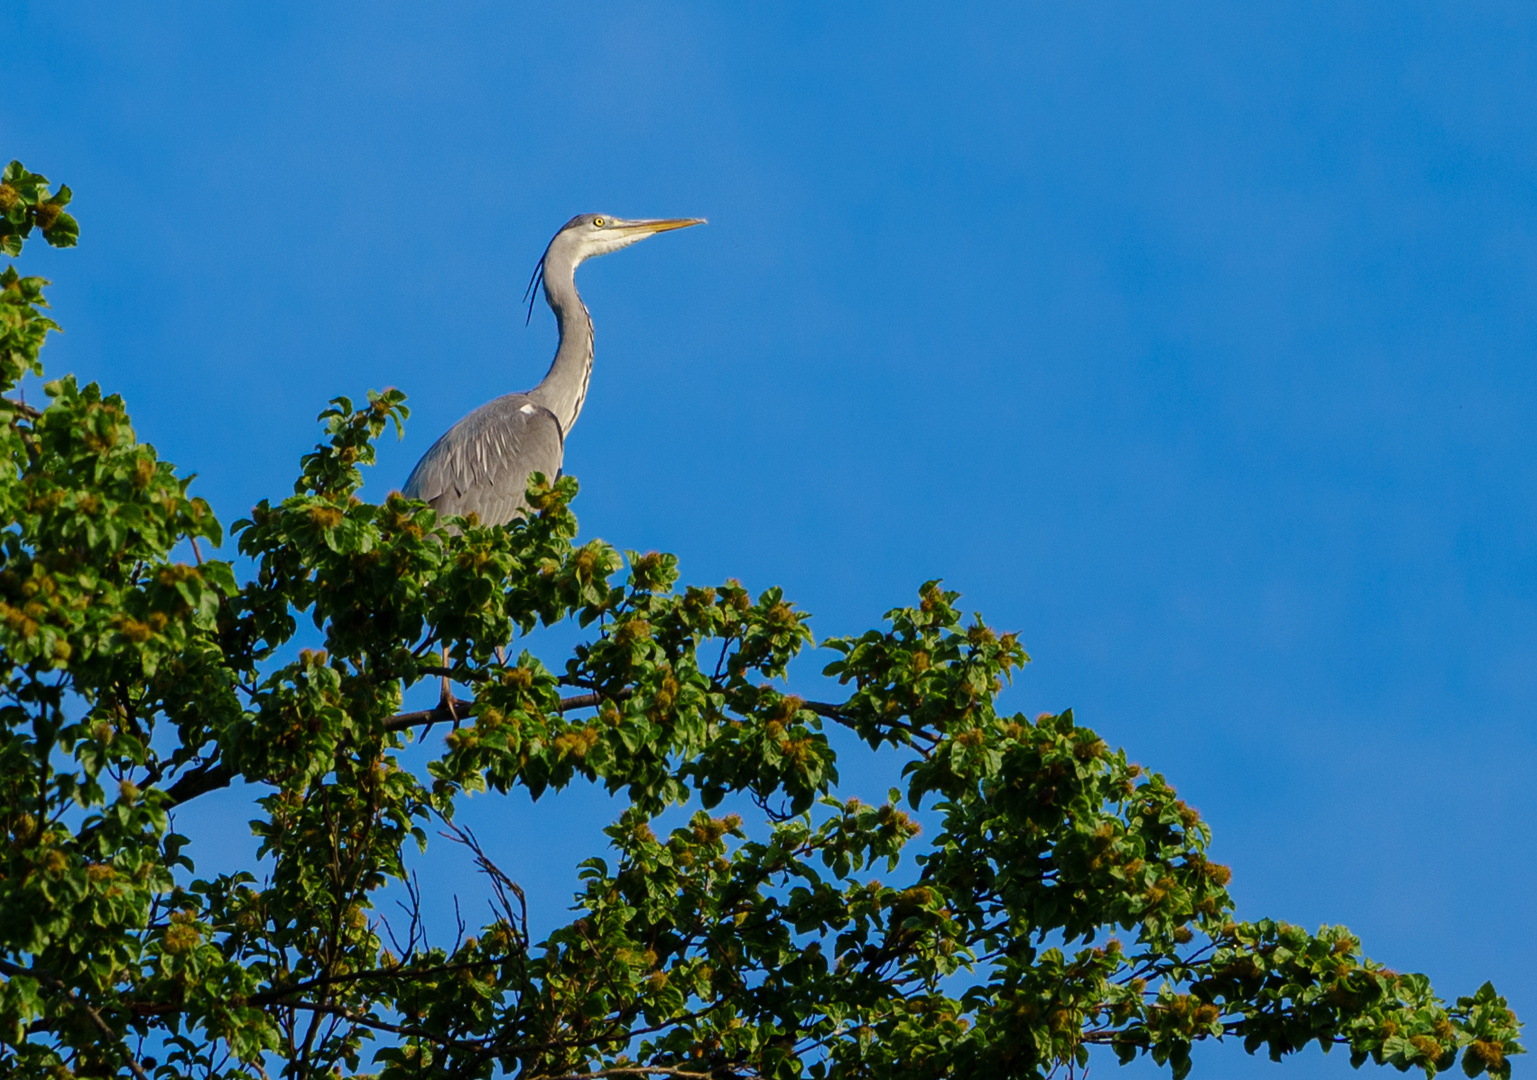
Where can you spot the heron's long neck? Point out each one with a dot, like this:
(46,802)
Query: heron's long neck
(564,386)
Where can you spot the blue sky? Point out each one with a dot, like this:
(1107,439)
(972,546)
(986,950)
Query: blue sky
(1194,342)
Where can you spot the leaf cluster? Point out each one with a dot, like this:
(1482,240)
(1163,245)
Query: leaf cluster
(25,203)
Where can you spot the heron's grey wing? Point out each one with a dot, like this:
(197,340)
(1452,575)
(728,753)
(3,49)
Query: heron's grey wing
(482,463)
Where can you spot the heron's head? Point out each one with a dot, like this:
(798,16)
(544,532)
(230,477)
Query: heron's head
(589,235)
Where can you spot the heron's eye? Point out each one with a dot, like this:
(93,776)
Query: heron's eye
(599,222)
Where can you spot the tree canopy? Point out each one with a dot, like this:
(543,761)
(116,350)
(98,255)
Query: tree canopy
(1060,898)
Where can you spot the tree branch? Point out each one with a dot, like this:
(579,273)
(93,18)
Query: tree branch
(22,407)
(400,971)
(439,712)
(822,708)
(210,777)
(7,968)
(198,782)
(627,1070)
(409,1030)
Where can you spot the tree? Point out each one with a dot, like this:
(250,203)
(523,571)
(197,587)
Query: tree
(1064,900)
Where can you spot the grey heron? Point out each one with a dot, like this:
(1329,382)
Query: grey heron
(481,465)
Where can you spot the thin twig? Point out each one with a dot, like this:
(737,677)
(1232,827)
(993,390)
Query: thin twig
(26,410)
(500,883)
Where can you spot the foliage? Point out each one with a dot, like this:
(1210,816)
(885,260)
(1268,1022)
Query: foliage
(25,202)
(1064,900)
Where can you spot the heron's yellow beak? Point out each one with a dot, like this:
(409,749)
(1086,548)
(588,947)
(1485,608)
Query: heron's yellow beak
(659,225)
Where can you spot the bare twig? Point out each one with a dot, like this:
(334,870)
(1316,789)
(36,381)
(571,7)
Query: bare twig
(501,884)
